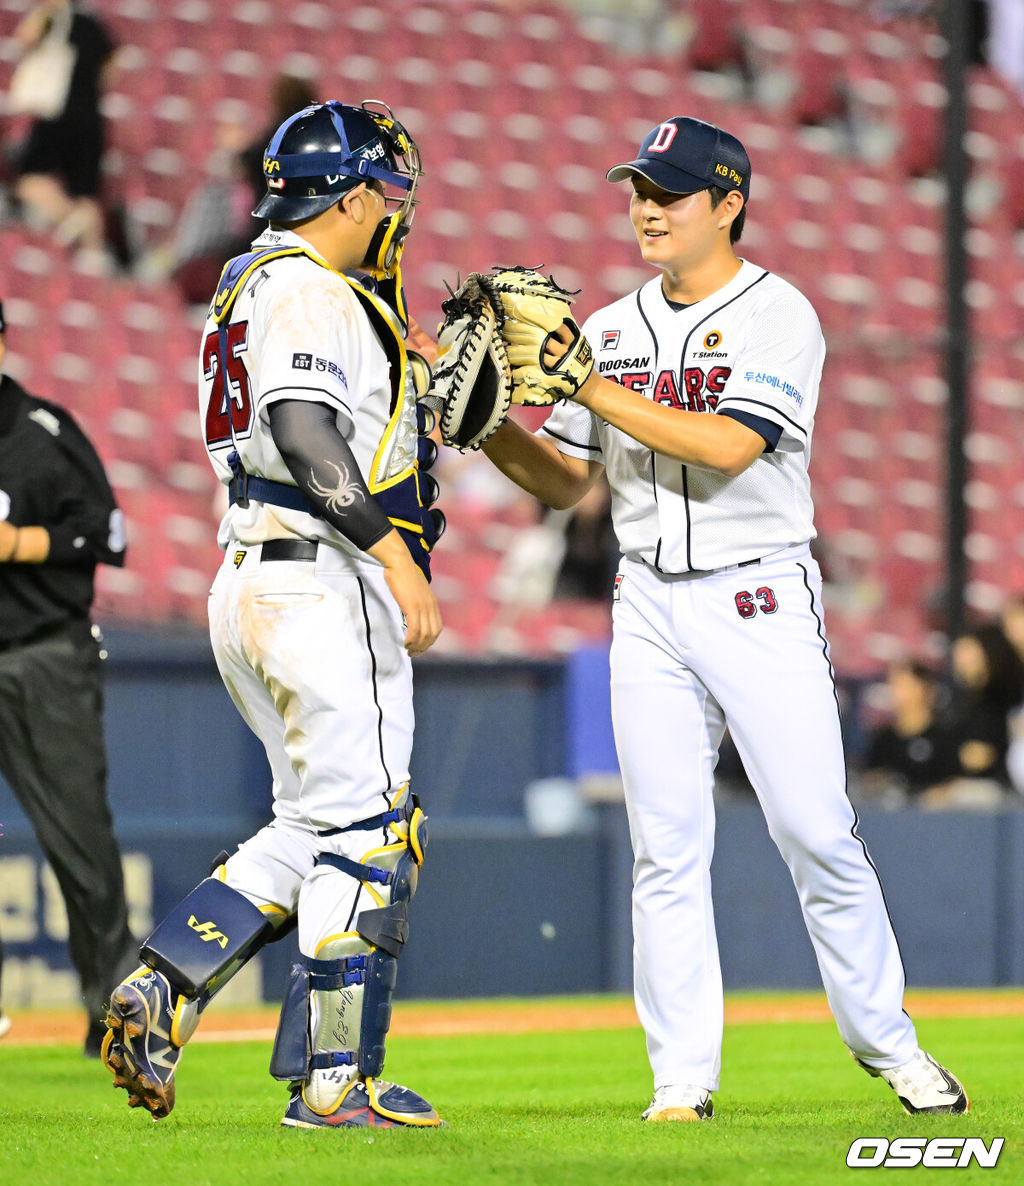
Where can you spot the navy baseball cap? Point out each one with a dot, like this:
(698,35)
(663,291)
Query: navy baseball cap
(683,155)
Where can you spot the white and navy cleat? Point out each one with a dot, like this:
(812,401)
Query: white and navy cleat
(680,1103)
(143,1041)
(924,1086)
(365,1103)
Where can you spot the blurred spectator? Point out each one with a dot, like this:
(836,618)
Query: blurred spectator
(215,223)
(288,94)
(913,751)
(1012,621)
(987,688)
(591,554)
(903,9)
(58,183)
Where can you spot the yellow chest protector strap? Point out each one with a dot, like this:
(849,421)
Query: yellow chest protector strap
(398,493)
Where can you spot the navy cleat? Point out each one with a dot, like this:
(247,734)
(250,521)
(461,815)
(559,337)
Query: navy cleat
(365,1103)
(147,1024)
(924,1086)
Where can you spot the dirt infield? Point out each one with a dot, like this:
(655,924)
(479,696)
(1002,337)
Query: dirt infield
(443,1018)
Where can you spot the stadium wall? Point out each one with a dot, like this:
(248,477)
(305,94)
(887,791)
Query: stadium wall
(503,909)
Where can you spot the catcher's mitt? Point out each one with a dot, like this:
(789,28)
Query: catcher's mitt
(472,384)
(533,307)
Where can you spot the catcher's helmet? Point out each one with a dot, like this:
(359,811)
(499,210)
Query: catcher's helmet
(317,155)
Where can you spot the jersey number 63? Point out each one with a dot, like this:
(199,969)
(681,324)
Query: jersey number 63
(232,400)
(747,604)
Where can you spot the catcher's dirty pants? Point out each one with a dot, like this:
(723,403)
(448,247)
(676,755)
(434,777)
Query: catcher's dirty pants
(53,756)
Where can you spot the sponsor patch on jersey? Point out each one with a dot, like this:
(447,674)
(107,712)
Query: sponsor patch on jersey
(610,339)
(712,340)
(331,368)
(238,557)
(617,590)
(313,362)
(623,364)
(787,389)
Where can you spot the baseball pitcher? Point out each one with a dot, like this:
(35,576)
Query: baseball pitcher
(696,395)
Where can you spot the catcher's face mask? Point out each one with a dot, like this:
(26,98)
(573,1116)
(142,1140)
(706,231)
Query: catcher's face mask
(385,248)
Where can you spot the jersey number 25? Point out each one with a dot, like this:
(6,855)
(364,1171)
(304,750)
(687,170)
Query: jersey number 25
(232,399)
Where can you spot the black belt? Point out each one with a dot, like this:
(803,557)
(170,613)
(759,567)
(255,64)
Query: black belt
(701,572)
(289,549)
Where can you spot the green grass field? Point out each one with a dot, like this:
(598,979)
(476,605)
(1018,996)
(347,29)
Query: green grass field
(536,1108)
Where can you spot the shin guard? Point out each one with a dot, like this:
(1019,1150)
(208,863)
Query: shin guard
(206,938)
(350,983)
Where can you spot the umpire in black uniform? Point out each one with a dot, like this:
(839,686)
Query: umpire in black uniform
(58,520)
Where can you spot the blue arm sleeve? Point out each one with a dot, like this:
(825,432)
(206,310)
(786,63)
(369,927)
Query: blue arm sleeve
(320,461)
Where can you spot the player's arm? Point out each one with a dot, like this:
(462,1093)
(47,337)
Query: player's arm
(719,443)
(321,462)
(539,468)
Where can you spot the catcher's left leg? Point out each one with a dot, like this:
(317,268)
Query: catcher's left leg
(337,1011)
(190,956)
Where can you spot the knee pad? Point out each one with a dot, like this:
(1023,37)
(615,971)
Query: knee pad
(337,1008)
(206,938)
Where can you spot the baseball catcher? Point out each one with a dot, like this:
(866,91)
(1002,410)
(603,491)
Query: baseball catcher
(311,418)
(507,338)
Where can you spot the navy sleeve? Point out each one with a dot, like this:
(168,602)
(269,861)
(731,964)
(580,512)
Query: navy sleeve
(320,461)
(765,428)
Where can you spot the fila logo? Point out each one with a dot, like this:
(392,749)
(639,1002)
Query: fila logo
(208,931)
(664,136)
(609,339)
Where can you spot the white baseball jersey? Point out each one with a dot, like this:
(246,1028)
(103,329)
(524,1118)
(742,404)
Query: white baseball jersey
(754,346)
(297,330)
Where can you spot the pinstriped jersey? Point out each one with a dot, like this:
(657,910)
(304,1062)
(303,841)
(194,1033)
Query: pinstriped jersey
(755,348)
